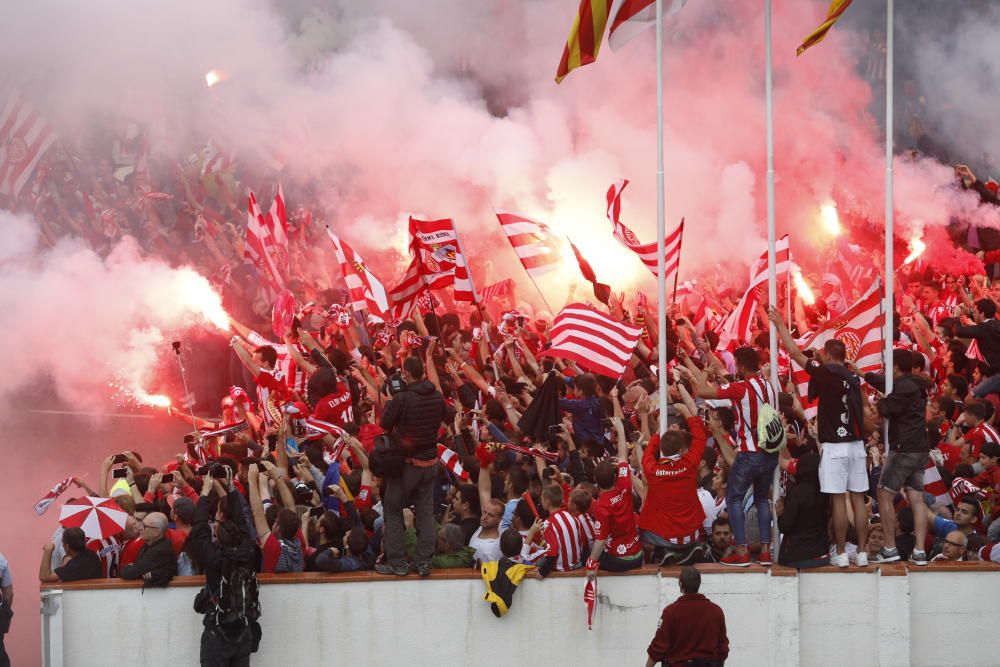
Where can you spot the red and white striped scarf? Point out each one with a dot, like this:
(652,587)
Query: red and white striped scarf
(450,460)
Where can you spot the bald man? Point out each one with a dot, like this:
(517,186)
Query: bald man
(156,564)
(953,547)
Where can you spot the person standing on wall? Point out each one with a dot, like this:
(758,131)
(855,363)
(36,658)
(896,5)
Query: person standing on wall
(412,418)
(692,630)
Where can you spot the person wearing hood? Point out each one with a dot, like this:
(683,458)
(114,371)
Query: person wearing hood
(905,409)
(412,418)
(803,518)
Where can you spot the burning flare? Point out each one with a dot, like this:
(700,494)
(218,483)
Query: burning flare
(802,287)
(214,76)
(829,219)
(152,400)
(917,247)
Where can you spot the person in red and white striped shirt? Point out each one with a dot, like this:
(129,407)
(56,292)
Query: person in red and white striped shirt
(564,533)
(752,466)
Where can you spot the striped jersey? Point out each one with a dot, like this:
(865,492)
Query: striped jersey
(566,540)
(747,396)
(979,436)
(295,377)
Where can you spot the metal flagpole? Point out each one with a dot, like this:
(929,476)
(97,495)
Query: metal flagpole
(187,395)
(772,276)
(661,234)
(544,300)
(890,278)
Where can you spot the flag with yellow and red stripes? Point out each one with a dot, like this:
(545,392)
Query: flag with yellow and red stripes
(585,36)
(836,10)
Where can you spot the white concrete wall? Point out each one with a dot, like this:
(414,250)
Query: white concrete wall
(826,618)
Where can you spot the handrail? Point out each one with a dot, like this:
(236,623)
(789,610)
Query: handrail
(894,569)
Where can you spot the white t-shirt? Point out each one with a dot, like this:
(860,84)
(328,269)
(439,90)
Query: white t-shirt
(711,509)
(487,549)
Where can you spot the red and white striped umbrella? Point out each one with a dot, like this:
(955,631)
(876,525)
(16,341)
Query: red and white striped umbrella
(99,518)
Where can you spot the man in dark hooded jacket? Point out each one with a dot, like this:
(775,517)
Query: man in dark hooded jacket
(803,520)
(412,418)
(905,408)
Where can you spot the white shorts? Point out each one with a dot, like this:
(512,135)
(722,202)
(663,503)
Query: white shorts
(843,467)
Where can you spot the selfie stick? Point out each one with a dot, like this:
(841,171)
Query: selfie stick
(187,395)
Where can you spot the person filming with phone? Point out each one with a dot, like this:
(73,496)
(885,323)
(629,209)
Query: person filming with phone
(412,419)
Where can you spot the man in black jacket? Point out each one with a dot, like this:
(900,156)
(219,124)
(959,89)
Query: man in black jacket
(905,408)
(223,644)
(413,418)
(156,564)
(987,334)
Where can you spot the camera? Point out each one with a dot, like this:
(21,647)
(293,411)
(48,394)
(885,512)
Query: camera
(214,470)
(119,458)
(119,473)
(168,478)
(395,384)
(317,512)
(555,429)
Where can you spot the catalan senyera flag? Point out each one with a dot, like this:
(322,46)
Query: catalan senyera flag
(584,41)
(836,10)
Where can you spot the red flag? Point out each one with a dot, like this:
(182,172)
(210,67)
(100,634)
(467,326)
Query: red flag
(259,246)
(630,17)
(277,225)
(24,137)
(590,600)
(593,340)
(282,313)
(439,260)
(739,323)
(51,496)
(450,460)
(504,287)
(601,291)
(647,252)
(533,242)
(403,296)
(365,289)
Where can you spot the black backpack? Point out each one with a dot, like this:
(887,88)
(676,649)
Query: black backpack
(237,605)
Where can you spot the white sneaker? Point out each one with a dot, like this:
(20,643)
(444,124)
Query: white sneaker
(861,560)
(839,560)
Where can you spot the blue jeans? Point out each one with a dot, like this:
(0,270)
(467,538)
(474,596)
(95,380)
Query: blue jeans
(990,385)
(750,469)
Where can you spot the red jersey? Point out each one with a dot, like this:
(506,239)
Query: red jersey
(747,396)
(672,509)
(979,436)
(336,408)
(565,539)
(363,501)
(130,551)
(615,519)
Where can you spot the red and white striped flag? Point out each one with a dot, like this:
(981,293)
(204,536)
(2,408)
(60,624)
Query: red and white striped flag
(590,601)
(630,17)
(738,326)
(536,246)
(439,260)
(647,252)
(24,137)
(859,328)
(593,340)
(934,485)
(277,225)
(403,296)
(367,291)
(259,243)
(51,496)
(216,160)
(504,287)
(450,460)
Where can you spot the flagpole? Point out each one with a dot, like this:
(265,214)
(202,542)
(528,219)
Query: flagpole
(772,277)
(890,302)
(661,234)
(544,300)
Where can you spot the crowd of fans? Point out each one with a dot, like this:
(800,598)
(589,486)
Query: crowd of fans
(549,467)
